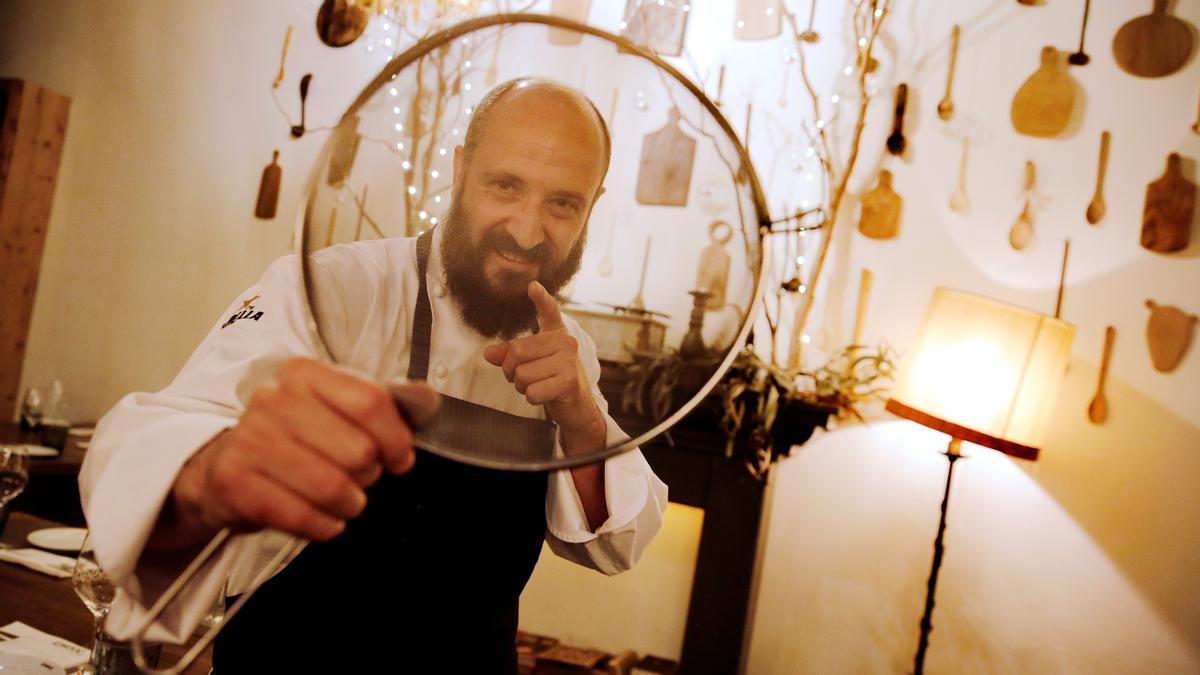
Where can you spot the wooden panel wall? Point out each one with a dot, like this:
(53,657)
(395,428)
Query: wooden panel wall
(31,143)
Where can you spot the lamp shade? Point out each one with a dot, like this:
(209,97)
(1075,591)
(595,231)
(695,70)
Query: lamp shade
(984,371)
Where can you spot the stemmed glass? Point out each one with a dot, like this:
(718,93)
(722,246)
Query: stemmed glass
(96,589)
(14,474)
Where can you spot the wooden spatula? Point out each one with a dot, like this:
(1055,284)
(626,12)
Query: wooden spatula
(1154,45)
(1170,205)
(1042,106)
(1098,408)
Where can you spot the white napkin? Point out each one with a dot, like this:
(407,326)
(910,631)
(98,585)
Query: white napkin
(41,561)
(19,638)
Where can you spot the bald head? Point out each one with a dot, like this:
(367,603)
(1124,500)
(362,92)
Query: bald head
(542,99)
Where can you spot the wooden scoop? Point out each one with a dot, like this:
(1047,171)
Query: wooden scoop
(945,108)
(1168,334)
(1022,230)
(1098,408)
(1154,45)
(1095,209)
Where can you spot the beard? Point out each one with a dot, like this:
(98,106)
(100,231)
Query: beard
(499,308)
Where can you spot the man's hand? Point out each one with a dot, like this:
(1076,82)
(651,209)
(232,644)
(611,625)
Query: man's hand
(298,459)
(545,368)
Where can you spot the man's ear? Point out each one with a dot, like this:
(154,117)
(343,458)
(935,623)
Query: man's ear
(599,193)
(458,168)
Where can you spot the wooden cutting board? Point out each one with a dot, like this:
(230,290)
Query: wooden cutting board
(575,10)
(1042,106)
(757,19)
(1168,333)
(1154,45)
(1170,207)
(268,189)
(881,209)
(665,172)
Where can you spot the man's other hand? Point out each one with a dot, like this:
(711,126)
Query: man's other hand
(299,458)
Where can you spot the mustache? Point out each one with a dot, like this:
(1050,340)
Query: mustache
(500,240)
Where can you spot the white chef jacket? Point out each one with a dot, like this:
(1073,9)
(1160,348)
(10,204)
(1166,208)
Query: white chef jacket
(367,302)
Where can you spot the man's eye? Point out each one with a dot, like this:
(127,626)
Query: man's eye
(505,186)
(565,205)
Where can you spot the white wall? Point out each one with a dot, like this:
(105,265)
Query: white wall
(1082,562)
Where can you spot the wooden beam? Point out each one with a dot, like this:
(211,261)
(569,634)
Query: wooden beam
(31,141)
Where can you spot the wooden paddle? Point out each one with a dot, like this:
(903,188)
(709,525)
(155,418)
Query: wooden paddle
(1154,45)
(1098,408)
(268,189)
(1170,206)
(1168,333)
(665,173)
(1042,106)
(880,209)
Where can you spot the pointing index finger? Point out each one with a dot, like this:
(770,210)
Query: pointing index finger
(548,313)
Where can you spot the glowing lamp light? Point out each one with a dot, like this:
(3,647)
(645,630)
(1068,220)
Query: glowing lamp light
(984,371)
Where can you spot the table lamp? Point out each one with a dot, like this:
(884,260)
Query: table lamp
(985,372)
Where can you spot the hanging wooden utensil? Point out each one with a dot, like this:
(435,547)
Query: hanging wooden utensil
(345,147)
(298,129)
(895,142)
(287,40)
(340,22)
(1095,209)
(1062,280)
(809,35)
(1022,230)
(945,108)
(1168,334)
(665,173)
(958,201)
(638,302)
(1154,45)
(1080,58)
(880,209)
(720,84)
(1098,408)
(712,274)
(860,313)
(757,19)
(268,189)
(1042,106)
(575,10)
(1170,206)
(1196,124)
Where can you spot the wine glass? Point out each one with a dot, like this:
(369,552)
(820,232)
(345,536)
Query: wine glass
(96,589)
(14,474)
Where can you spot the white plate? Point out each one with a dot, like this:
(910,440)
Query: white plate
(36,450)
(20,664)
(81,431)
(58,538)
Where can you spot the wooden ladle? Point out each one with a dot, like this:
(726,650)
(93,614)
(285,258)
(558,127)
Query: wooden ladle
(298,129)
(1095,209)
(1098,408)
(945,108)
(1022,230)
(896,142)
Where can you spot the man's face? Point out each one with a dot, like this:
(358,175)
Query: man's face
(520,208)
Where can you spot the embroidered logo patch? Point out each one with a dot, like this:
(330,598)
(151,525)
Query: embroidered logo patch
(246,311)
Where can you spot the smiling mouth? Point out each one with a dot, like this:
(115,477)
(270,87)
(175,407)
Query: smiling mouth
(514,259)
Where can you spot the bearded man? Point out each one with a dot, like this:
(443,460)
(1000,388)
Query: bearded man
(411,554)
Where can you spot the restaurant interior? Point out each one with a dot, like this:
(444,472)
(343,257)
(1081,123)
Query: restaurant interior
(843,245)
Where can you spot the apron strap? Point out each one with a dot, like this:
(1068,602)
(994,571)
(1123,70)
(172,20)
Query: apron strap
(422,328)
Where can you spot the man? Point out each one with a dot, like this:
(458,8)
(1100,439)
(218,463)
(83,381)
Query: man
(412,554)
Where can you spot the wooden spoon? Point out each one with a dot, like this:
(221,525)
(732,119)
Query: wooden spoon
(958,201)
(1095,209)
(1022,230)
(895,142)
(809,35)
(298,129)
(1080,58)
(945,108)
(1196,124)
(1154,45)
(1098,408)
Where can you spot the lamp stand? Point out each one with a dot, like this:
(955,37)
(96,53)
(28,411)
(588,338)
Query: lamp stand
(952,455)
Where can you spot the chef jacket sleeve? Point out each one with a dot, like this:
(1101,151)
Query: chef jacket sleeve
(141,444)
(636,498)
